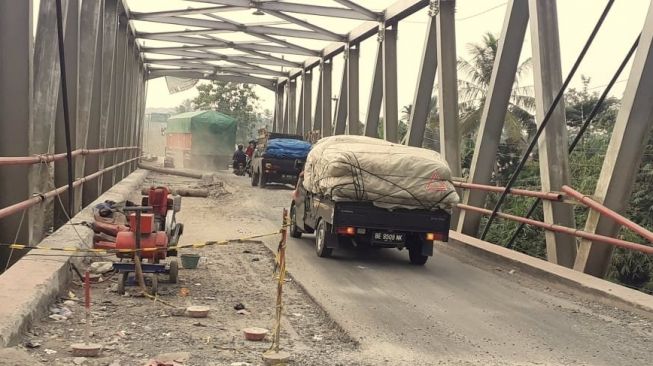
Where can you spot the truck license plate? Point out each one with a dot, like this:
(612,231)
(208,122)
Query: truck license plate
(389,237)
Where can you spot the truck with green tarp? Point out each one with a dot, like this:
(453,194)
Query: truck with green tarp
(201,139)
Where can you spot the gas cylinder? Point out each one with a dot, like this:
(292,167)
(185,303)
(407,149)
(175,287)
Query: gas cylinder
(127,240)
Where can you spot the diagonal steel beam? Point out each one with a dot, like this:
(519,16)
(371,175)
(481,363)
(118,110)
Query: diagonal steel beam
(296,8)
(240,47)
(222,25)
(360,9)
(333,36)
(185,32)
(264,36)
(181,39)
(267,83)
(189,11)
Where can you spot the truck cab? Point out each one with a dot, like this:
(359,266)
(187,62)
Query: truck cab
(362,224)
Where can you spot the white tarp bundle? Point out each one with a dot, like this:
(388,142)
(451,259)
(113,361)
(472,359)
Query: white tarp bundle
(390,175)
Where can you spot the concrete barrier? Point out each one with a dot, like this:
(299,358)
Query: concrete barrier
(35,281)
(599,289)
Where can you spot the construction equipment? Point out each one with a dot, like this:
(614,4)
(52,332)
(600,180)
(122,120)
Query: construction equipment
(151,232)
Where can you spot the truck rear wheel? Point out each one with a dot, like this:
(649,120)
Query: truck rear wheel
(254,179)
(262,179)
(294,232)
(321,240)
(416,257)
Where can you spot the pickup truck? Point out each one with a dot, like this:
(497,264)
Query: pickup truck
(362,224)
(264,169)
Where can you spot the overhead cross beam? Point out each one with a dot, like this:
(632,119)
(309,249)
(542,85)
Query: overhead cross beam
(189,11)
(298,8)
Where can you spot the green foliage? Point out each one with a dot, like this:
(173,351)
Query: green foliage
(235,99)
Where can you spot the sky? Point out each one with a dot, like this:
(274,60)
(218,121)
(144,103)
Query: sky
(576,18)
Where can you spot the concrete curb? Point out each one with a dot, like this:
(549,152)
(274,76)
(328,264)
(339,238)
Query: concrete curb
(601,290)
(34,282)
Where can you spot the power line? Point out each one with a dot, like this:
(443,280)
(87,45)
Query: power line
(481,13)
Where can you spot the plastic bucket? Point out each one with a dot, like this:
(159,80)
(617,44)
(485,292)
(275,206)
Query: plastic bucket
(190,261)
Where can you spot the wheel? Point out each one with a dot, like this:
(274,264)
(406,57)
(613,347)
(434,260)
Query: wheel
(416,257)
(173,275)
(122,282)
(155,285)
(255,178)
(320,240)
(294,232)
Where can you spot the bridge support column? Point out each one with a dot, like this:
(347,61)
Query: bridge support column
(278,110)
(422,100)
(352,90)
(292,97)
(317,116)
(552,147)
(390,102)
(325,76)
(299,127)
(71,47)
(631,132)
(376,93)
(494,111)
(90,189)
(284,125)
(46,96)
(341,104)
(88,32)
(307,87)
(16,107)
(122,80)
(448,88)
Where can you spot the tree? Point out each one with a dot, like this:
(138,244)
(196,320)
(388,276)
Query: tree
(235,99)
(473,92)
(185,106)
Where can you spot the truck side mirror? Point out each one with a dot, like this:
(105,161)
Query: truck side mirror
(299,165)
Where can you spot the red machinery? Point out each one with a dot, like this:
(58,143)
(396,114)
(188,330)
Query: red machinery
(152,229)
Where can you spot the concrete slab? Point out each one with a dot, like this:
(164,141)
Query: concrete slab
(601,290)
(34,282)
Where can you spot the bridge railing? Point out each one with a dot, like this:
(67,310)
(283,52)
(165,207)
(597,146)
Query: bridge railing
(569,196)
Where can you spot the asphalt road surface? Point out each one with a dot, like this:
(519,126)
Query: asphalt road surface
(452,311)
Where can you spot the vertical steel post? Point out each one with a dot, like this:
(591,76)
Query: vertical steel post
(448,86)
(325,75)
(317,117)
(421,106)
(627,145)
(16,106)
(45,99)
(71,50)
(292,106)
(352,90)
(88,32)
(286,108)
(390,101)
(90,189)
(341,105)
(110,65)
(554,164)
(299,127)
(494,111)
(307,87)
(376,93)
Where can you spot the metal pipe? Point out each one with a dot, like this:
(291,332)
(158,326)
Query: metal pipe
(608,212)
(563,229)
(48,158)
(549,196)
(38,198)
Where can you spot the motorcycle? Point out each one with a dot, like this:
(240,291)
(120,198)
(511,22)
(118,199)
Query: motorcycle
(239,169)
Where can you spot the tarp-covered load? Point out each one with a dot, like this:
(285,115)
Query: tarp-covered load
(287,149)
(213,133)
(359,168)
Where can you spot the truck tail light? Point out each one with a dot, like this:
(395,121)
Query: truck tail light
(434,236)
(268,165)
(346,230)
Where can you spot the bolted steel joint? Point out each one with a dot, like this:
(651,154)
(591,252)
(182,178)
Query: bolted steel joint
(380,36)
(434,8)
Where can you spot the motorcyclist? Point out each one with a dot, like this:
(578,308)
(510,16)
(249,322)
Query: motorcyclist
(239,157)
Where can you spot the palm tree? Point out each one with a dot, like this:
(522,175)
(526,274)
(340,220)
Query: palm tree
(473,92)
